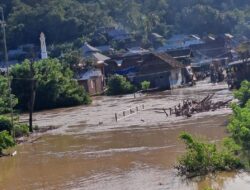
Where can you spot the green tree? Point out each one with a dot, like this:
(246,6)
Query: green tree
(145,85)
(5,104)
(243,94)
(55,86)
(6,141)
(118,85)
(202,157)
(5,124)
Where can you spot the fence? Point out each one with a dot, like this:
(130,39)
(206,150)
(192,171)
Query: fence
(128,112)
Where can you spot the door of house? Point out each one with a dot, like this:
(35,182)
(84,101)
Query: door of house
(162,81)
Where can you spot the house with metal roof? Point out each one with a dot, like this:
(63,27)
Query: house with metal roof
(160,69)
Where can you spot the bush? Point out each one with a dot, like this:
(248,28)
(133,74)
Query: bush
(243,94)
(118,85)
(5,96)
(5,124)
(145,85)
(55,86)
(202,158)
(239,126)
(21,130)
(6,141)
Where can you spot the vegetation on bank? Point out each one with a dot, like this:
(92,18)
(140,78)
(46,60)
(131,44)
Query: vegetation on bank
(145,85)
(54,85)
(5,96)
(6,141)
(118,85)
(203,157)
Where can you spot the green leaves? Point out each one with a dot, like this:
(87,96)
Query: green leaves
(55,86)
(6,141)
(243,94)
(5,104)
(202,157)
(118,85)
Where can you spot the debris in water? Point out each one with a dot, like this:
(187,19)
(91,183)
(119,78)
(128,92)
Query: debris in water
(190,107)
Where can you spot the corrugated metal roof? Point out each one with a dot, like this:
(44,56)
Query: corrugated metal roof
(170,60)
(90,73)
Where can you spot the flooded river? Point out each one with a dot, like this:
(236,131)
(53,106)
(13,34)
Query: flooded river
(129,155)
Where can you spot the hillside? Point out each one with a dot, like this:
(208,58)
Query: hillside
(68,20)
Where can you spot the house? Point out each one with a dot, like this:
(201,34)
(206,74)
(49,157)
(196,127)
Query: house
(237,72)
(18,55)
(93,81)
(184,56)
(156,40)
(160,69)
(180,41)
(93,55)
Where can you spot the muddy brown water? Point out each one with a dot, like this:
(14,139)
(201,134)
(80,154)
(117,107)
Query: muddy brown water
(129,158)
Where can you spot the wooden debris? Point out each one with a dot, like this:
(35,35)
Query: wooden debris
(190,107)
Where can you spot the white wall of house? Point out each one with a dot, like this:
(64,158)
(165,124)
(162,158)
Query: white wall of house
(176,78)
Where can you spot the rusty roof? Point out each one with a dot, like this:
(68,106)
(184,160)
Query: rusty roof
(170,60)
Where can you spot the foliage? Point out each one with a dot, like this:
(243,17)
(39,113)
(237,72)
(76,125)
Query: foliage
(5,96)
(6,141)
(243,94)
(21,130)
(5,124)
(55,86)
(202,158)
(66,20)
(145,85)
(118,85)
(239,126)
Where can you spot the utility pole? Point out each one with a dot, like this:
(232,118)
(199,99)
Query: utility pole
(32,92)
(6,60)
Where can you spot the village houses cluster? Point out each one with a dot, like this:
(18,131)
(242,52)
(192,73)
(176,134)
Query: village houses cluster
(167,63)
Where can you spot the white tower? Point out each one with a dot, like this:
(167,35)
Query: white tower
(44,54)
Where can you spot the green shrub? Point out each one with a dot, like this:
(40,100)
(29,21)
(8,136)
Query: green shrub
(5,124)
(55,86)
(145,85)
(243,94)
(202,158)
(118,85)
(6,141)
(21,130)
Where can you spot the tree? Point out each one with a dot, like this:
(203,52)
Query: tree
(243,94)
(5,124)
(5,96)
(203,157)
(239,126)
(6,141)
(55,86)
(118,85)
(145,85)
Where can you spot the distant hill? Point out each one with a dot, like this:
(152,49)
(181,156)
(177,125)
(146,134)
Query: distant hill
(67,20)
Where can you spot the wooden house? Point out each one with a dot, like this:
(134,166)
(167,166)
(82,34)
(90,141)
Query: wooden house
(160,69)
(92,81)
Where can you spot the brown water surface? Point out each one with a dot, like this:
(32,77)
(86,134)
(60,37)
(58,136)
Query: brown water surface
(115,156)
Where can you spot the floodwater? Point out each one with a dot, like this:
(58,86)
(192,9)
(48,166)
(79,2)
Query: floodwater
(129,155)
